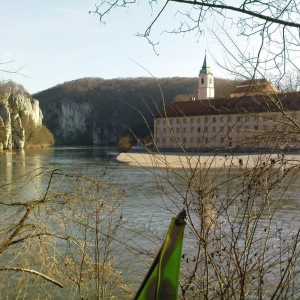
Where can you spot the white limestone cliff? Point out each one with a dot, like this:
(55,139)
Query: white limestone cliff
(12,107)
(74,122)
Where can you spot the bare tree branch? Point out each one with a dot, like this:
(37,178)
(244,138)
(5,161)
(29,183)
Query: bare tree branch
(241,9)
(275,23)
(32,272)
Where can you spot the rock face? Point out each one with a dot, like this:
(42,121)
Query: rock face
(68,120)
(74,122)
(12,108)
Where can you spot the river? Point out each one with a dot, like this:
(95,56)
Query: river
(138,184)
(143,205)
(150,201)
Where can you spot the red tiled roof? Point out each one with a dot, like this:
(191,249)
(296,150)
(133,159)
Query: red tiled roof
(250,104)
(257,86)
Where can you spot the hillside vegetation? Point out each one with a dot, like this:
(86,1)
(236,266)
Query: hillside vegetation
(117,106)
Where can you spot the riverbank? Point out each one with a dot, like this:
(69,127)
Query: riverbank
(175,160)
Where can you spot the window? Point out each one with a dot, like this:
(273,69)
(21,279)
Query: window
(199,140)
(177,130)
(171,121)
(206,119)
(192,129)
(202,80)
(191,140)
(171,140)
(240,119)
(184,140)
(192,121)
(184,129)
(222,120)
(164,130)
(206,140)
(206,129)
(256,118)
(184,121)
(229,119)
(199,129)
(265,128)
(164,140)
(214,119)
(214,129)
(247,118)
(177,121)
(164,122)
(198,120)
(239,128)
(222,140)
(222,129)
(157,122)
(255,127)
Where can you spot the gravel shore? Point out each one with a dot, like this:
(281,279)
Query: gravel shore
(175,160)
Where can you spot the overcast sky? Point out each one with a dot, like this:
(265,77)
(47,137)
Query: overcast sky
(57,41)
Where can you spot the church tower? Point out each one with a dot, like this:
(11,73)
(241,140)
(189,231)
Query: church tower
(206,88)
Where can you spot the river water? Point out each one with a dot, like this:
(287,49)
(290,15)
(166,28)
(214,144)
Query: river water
(144,204)
(148,200)
(138,184)
(141,186)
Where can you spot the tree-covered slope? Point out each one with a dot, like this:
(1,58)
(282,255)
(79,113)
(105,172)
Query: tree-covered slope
(98,111)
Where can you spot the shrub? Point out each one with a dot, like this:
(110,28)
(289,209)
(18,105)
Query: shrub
(124,143)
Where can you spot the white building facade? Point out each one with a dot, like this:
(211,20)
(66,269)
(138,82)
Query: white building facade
(256,116)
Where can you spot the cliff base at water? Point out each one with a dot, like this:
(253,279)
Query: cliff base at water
(21,119)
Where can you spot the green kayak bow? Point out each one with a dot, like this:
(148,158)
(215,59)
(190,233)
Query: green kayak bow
(162,279)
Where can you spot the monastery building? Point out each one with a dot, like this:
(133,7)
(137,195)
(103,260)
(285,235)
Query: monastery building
(256,116)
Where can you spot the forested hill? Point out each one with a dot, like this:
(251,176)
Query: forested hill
(98,111)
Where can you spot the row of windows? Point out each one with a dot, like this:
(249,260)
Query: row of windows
(221,119)
(221,129)
(191,140)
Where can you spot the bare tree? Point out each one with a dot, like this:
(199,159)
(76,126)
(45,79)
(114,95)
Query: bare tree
(290,82)
(5,67)
(273,26)
(45,241)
